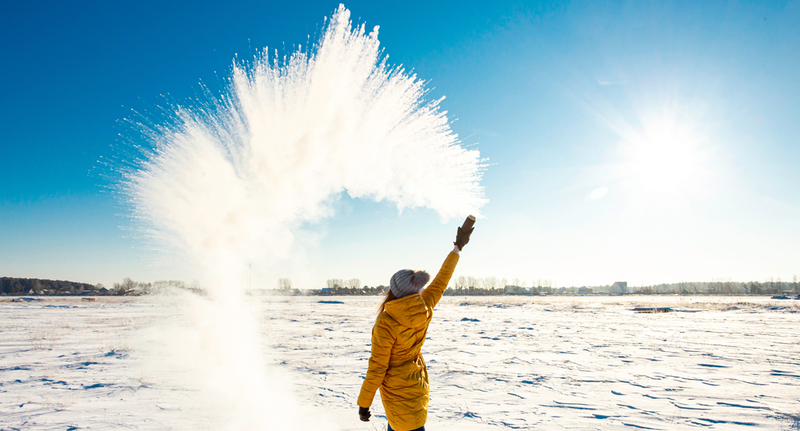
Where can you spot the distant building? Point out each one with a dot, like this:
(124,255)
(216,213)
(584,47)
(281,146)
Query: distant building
(619,288)
(516,290)
(584,291)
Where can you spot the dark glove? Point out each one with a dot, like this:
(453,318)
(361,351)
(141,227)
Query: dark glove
(462,237)
(364,414)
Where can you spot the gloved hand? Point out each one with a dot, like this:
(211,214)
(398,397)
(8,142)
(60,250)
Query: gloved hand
(462,237)
(364,414)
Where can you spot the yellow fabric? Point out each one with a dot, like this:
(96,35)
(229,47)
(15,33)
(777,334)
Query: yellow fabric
(396,365)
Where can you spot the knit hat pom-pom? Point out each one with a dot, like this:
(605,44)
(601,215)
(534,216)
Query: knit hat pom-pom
(420,279)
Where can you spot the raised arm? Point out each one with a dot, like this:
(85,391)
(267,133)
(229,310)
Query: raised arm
(433,293)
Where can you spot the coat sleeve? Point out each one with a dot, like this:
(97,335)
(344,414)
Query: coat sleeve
(434,292)
(382,342)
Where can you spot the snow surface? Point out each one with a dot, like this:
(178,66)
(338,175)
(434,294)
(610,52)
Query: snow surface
(495,363)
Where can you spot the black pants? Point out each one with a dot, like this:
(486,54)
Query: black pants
(422,428)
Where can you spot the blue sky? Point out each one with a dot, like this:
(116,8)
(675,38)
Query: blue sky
(640,141)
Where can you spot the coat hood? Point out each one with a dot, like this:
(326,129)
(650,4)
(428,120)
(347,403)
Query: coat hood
(409,311)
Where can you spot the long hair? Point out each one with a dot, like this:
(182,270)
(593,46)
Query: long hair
(388,297)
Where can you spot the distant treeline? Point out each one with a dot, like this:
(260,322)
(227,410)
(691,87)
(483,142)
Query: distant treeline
(130,287)
(770,286)
(343,290)
(460,286)
(492,286)
(35,286)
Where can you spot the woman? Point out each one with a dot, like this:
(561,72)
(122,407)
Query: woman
(396,365)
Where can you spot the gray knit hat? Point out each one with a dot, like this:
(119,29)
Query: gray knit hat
(406,282)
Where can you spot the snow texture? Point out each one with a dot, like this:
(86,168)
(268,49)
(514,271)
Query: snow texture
(495,363)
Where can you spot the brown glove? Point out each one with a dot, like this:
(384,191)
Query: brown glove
(364,414)
(462,237)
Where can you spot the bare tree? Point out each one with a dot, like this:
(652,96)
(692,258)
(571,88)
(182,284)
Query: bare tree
(771,285)
(127,287)
(334,283)
(730,287)
(284,285)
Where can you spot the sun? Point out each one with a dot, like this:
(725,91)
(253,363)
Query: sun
(664,156)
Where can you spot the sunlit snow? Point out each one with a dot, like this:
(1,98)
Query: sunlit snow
(495,363)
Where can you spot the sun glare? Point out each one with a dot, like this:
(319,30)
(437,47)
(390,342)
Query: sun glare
(664,157)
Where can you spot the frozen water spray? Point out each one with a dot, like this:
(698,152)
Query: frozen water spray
(229,182)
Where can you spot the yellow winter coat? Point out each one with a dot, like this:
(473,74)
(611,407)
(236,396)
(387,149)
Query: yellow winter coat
(396,365)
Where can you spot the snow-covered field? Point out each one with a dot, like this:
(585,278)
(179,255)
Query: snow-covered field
(495,363)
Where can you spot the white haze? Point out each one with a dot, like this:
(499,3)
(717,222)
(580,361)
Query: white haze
(229,184)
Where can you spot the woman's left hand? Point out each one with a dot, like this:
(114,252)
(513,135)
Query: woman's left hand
(364,414)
